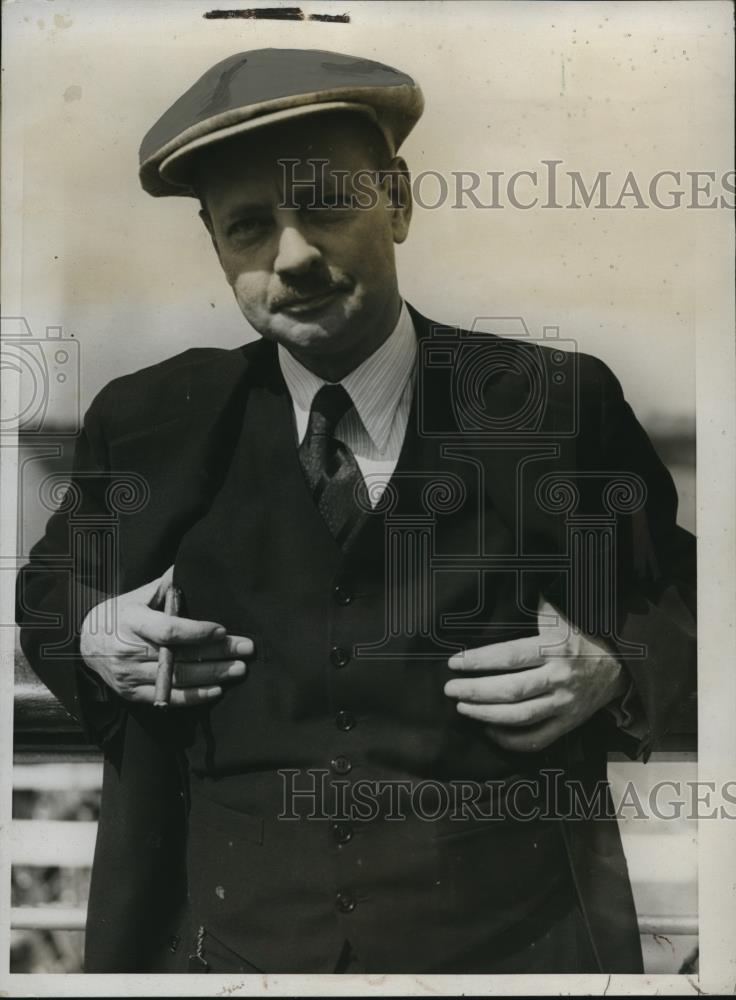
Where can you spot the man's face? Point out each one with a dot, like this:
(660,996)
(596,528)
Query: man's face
(321,280)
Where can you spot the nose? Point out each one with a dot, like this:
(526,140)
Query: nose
(296,255)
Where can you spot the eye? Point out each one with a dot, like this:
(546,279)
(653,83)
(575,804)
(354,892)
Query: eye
(248,226)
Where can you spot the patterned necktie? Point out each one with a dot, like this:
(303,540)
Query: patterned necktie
(329,465)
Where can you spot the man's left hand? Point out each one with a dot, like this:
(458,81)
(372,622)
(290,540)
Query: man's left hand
(528,699)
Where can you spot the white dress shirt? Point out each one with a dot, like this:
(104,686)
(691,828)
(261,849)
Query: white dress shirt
(381,389)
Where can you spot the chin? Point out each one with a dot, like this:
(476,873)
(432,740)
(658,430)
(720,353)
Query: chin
(313,338)
(313,331)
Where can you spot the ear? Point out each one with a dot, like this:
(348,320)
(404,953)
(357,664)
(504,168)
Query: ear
(398,179)
(205,217)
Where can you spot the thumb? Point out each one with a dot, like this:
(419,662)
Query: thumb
(549,619)
(163,584)
(152,593)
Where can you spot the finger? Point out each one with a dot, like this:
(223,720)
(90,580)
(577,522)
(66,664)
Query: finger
(164,582)
(180,697)
(547,614)
(207,673)
(229,647)
(516,654)
(501,688)
(125,675)
(166,630)
(152,593)
(523,713)
(141,673)
(529,740)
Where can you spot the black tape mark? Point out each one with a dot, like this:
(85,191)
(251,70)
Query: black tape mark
(260,13)
(339,18)
(276,14)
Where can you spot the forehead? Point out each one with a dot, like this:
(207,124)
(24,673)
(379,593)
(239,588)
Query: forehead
(256,161)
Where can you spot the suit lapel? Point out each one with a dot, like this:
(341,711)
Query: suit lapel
(484,396)
(182,453)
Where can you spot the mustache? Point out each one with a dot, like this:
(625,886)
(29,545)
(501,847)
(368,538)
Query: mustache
(313,290)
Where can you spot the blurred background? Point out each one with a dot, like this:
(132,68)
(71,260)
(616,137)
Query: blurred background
(110,280)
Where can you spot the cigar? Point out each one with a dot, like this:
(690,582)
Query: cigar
(165,673)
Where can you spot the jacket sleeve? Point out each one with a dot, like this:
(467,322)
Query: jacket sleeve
(68,573)
(655,583)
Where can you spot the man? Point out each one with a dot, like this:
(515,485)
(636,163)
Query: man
(412,560)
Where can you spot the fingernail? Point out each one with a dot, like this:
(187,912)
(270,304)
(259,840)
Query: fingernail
(244,648)
(219,632)
(237,669)
(213,692)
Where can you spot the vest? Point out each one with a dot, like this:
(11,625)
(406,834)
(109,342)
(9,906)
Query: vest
(289,856)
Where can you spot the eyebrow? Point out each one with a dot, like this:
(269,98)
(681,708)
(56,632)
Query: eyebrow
(246,208)
(301,194)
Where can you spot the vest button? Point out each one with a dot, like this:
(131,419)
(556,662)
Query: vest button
(342,832)
(345,720)
(345,902)
(341,595)
(341,765)
(339,656)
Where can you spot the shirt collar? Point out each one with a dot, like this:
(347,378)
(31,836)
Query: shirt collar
(375,386)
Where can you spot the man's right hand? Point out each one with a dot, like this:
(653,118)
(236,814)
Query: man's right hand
(120,639)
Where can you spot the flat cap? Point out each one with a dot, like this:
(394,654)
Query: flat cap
(257,88)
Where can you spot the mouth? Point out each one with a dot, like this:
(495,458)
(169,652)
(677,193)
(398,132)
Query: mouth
(305,305)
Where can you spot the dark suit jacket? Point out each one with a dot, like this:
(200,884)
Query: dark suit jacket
(154,451)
